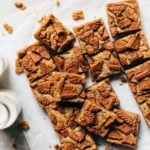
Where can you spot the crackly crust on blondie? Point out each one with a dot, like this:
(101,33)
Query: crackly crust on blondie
(35,61)
(95,118)
(92,36)
(123,17)
(139,81)
(60,86)
(104,94)
(132,49)
(103,65)
(71,61)
(54,35)
(125,131)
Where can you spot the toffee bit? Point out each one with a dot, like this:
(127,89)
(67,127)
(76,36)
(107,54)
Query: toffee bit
(78,15)
(20,5)
(8,27)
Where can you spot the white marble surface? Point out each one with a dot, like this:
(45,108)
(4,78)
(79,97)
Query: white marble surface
(41,134)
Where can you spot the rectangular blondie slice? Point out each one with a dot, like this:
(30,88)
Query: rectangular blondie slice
(60,86)
(95,118)
(123,17)
(103,94)
(139,81)
(92,36)
(71,61)
(103,65)
(35,61)
(132,49)
(72,135)
(125,130)
(54,35)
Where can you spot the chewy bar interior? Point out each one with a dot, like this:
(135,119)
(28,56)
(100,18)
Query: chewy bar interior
(139,81)
(132,49)
(72,135)
(35,61)
(60,86)
(54,35)
(71,61)
(103,94)
(123,17)
(103,65)
(92,36)
(94,118)
(125,130)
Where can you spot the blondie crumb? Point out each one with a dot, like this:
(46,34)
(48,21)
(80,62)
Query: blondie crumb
(78,14)
(57,147)
(20,5)
(8,27)
(58,3)
(24,125)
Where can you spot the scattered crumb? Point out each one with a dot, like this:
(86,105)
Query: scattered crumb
(58,3)
(57,147)
(20,5)
(77,15)
(123,79)
(108,148)
(18,68)
(8,27)
(24,125)
(14,145)
(42,19)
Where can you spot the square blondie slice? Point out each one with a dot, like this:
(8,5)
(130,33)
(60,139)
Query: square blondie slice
(92,36)
(139,81)
(54,35)
(123,17)
(71,61)
(95,118)
(103,65)
(71,135)
(35,61)
(60,86)
(125,130)
(104,94)
(132,49)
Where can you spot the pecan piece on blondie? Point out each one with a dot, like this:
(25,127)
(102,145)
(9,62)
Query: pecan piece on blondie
(54,35)
(123,17)
(139,81)
(103,94)
(132,49)
(71,61)
(92,36)
(125,131)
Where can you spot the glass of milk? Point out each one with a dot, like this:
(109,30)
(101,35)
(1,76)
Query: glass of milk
(2,66)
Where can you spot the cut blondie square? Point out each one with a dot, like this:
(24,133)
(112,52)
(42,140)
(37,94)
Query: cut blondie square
(103,65)
(132,49)
(92,36)
(60,86)
(123,17)
(139,81)
(35,61)
(103,94)
(125,130)
(54,35)
(94,118)
(71,61)
(72,135)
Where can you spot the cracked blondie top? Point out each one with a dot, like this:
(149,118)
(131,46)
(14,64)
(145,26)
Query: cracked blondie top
(123,17)
(139,81)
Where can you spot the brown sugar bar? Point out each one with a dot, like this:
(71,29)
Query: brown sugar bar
(125,131)
(103,94)
(103,65)
(92,36)
(123,17)
(72,135)
(35,61)
(54,35)
(60,86)
(132,49)
(139,81)
(94,118)
(71,61)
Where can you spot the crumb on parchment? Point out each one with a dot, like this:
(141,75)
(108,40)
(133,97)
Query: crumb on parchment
(8,27)
(20,5)
(77,14)
(24,125)
(57,3)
